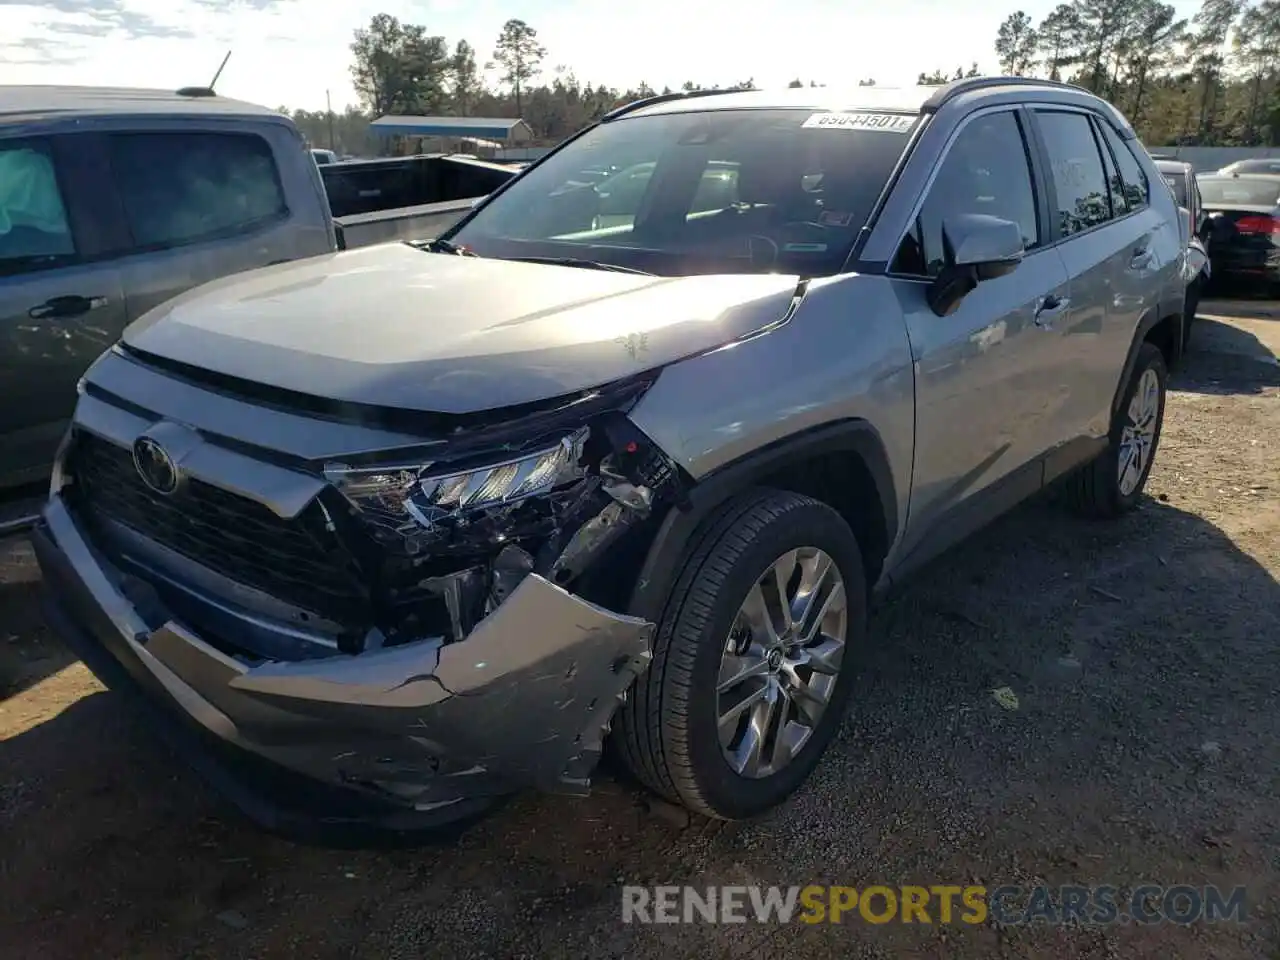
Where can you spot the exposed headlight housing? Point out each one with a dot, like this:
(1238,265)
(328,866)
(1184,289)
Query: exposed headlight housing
(412,502)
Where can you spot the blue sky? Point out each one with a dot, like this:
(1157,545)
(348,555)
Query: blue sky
(289,52)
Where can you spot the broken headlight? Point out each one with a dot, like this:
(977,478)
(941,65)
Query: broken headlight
(458,535)
(414,505)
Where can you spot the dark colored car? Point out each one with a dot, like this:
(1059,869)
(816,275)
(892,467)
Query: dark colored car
(1244,226)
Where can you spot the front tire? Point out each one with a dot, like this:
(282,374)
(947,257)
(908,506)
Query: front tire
(746,691)
(1111,484)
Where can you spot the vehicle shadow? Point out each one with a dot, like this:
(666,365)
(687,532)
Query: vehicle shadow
(1213,363)
(1141,653)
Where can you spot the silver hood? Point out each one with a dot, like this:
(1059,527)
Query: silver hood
(394,326)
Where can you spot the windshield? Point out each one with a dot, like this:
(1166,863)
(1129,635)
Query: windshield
(729,191)
(1240,191)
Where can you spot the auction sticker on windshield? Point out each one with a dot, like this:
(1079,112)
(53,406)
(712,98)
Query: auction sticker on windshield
(889,122)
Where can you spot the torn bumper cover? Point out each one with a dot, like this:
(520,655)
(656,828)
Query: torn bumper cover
(396,740)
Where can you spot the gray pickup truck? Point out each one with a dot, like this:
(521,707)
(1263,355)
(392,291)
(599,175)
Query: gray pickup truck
(388,535)
(113,201)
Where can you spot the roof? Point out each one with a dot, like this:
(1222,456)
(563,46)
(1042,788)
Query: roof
(487,127)
(914,99)
(1219,175)
(36,100)
(906,99)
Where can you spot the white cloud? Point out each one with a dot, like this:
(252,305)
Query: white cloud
(289,52)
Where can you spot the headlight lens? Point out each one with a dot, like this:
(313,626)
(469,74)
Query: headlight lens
(408,500)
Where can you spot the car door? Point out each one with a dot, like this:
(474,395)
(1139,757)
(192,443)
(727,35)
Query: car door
(61,303)
(1111,261)
(979,371)
(199,204)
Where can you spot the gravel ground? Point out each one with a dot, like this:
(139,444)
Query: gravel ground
(1146,747)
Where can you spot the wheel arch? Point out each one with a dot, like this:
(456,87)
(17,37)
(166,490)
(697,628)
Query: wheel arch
(843,464)
(1161,326)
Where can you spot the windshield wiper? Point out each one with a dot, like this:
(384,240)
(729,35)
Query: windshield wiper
(445,246)
(586,264)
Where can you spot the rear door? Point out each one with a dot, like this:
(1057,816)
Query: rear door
(199,204)
(61,299)
(1104,233)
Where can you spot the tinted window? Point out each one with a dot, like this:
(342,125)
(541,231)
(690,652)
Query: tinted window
(1132,183)
(700,192)
(181,187)
(1078,179)
(985,171)
(34,232)
(1179,187)
(1239,191)
(1115,183)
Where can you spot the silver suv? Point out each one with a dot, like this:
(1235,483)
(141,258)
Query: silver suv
(389,534)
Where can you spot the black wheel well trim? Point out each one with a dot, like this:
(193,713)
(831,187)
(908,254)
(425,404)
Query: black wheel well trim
(673,541)
(1150,320)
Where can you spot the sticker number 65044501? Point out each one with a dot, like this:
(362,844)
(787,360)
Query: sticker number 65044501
(888,122)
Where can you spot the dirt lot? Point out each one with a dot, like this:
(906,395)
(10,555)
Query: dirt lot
(1146,747)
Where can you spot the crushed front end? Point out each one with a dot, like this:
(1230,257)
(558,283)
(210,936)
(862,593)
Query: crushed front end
(399,626)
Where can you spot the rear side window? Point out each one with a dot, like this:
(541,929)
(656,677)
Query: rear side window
(985,171)
(1131,182)
(1078,177)
(34,231)
(180,188)
(1179,187)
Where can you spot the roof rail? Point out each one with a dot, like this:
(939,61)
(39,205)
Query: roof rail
(968,84)
(662,98)
(195,92)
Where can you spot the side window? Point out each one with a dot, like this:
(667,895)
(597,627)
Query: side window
(1078,176)
(986,170)
(34,232)
(1115,184)
(180,188)
(1132,181)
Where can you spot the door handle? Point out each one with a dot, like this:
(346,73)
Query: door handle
(61,307)
(1049,307)
(1141,257)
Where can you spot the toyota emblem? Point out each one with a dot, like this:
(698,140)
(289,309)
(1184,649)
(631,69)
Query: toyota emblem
(155,466)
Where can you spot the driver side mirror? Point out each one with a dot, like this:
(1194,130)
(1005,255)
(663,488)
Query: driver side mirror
(976,247)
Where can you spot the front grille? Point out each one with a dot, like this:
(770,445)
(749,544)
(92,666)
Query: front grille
(294,560)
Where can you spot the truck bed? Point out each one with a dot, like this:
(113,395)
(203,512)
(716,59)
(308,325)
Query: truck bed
(405,198)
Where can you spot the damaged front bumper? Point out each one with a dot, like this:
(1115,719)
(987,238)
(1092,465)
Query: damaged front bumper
(390,742)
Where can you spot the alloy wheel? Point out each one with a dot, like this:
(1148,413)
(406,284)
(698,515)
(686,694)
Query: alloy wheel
(1138,435)
(781,662)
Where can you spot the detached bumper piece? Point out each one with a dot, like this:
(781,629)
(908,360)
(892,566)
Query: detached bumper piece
(388,745)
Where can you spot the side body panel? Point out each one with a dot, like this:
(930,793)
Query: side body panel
(843,355)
